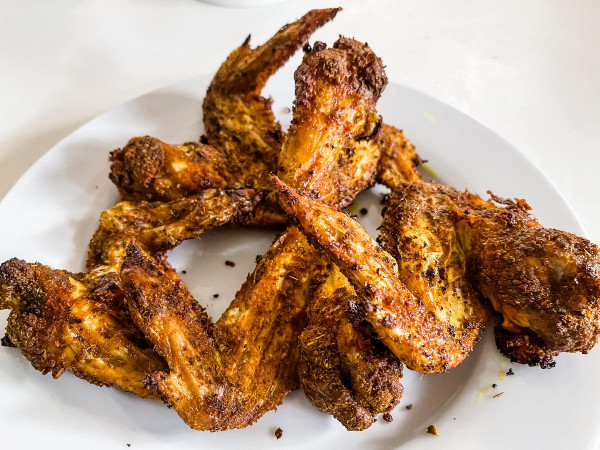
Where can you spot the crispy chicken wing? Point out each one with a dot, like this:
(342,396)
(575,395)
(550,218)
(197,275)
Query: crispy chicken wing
(410,326)
(149,169)
(226,375)
(344,370)
(78,322)
(331,147)
(158,227)
(238,121)
(64,321)
(544,282)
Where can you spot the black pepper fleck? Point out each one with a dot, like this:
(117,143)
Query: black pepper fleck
(229,263)
(494,385)
(215,295)
(510,372)
(364,211)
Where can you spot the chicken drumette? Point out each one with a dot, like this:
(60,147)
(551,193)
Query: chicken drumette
(544,282)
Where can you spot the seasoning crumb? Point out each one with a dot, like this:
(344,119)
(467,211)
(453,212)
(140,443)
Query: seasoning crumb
(286,110)
(257,259)
(128,445)
(431,429)
(498,395)
(494,385)
(203,140)
(96,187)
(510,372)
(215,295)
(278,433)
(229,263)
(409,406)
(6,342)
(184,272)
(364,211)
(388,417)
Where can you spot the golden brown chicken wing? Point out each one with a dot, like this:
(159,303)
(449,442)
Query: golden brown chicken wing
(226,375)
(331,147)
(410,326)
(544,282)
(238,121)
(64,321)
(158,227)
(149,169)
(344,370)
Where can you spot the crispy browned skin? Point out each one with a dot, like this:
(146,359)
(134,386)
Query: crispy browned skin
(410,326)
(64,321)
(158,227)
(78,322)
(399,161)
(545,282)
(344,370)
(238,121)
(331,147)
(149,169)
(226,375)
(421,236)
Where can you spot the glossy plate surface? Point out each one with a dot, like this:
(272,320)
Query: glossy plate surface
(51,213)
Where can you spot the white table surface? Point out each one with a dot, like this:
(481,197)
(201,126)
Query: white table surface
(528,70)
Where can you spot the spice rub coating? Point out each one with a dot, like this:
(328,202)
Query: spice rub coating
(545,282)
(406,324)
(65,321)
(226,375)
(344,370)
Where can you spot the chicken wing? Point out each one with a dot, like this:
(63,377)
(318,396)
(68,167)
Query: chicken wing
(226,375)
(344,370)
(149,169)
(410,326)
(544,282)
(331,147)
(78,322)
(64,321)
(158,227)
(238,121)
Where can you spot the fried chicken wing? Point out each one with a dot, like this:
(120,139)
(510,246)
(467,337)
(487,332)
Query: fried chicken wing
(408,325)
(344,370)
(78,322)
(226,375)
(149,169)
(63,321)
(158,227)
(544,282)
(238,121)
(331,146)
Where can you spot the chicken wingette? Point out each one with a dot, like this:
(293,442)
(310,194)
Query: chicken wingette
(344,369)
(544,282)
(78,322)
(238,121)
(331,147)
(226,375)
(410,326)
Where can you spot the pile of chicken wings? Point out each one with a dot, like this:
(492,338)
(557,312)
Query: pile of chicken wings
(327,308)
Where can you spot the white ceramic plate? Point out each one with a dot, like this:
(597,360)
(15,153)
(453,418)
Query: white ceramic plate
(51,213)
